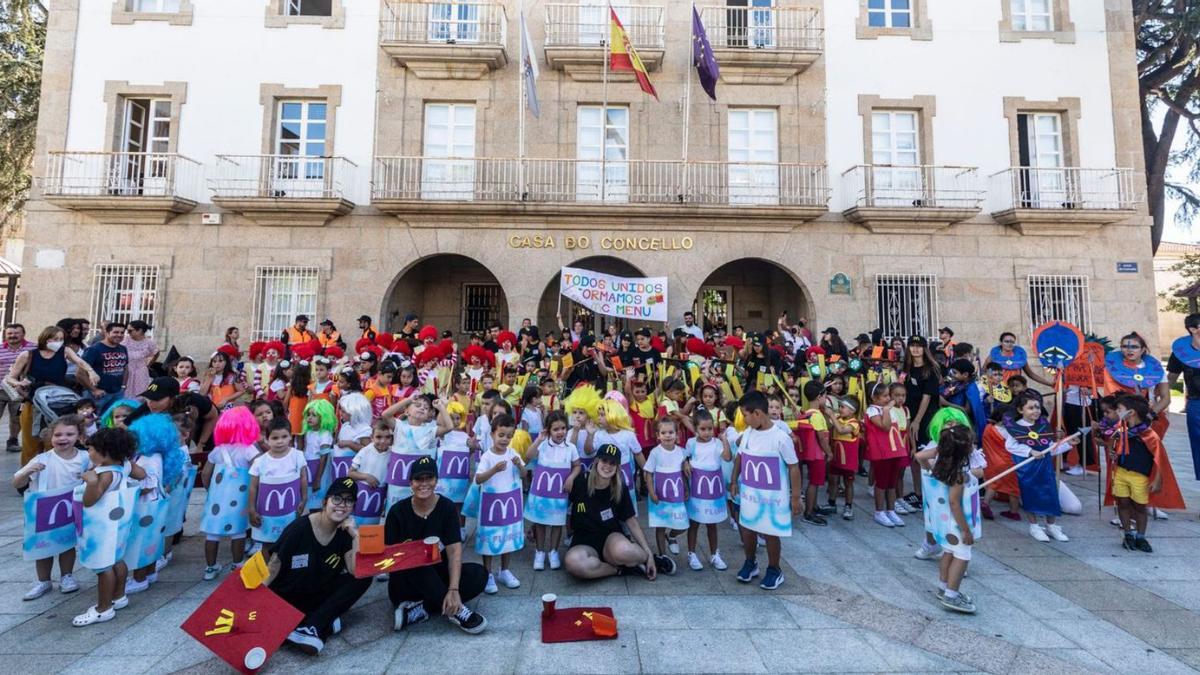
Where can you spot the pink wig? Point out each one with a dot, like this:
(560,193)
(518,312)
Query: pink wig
(236,426)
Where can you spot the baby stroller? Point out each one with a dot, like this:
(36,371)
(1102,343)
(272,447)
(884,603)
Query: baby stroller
(51,402)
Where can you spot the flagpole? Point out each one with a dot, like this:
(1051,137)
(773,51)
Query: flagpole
(521,75)
(687,98)
(606,43)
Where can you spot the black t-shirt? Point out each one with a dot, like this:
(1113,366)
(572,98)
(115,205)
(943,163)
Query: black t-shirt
(1191,376)
(597,515)
(918,385)
(403,524)
(641,357)
(584,370)
(305,565)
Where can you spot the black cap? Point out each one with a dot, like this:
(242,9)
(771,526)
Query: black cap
(863,337)
(423,468)
(160,388)
(918,340)
(644,332)
(343,487)
(609,452)
(364,317)
(831,330)
(946,329)
(410,317)
(301,317)
(327,322)
(963,366)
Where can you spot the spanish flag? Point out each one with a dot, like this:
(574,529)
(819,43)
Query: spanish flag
(622,55)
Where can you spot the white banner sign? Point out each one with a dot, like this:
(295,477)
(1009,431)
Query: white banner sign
(643,298)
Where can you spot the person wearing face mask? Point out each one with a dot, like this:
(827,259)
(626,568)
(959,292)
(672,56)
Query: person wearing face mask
(311,567)
(36,368)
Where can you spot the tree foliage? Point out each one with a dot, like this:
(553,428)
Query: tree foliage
(1188,268)
(22,42)
(1168,53)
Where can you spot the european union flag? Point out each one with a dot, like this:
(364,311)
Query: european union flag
(703,58)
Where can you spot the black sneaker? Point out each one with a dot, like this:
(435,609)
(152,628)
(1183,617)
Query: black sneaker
(307,640)
(1143,545)
(828,510)
(815,519)
(468,621)
(1128,542)
(665,564)
(913,500)
(14,445)
(863,473)
(409,613)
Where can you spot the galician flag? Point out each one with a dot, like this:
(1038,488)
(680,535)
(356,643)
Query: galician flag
(529,69)
(622,55)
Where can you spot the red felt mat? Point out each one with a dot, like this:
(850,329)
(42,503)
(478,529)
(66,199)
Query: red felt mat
(572,624)
(242,626)
(406,556)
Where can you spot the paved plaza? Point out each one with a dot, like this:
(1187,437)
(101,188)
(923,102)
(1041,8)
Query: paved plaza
(855,600)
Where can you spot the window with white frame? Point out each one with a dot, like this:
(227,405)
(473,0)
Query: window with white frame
(281,293)
(1032,15)
(480,307)
(895,145)
(301,132)
(907,304)
(309,7)
(1044,183)
(753,156)
(454,22)
(1059,297)
(602,135)
(125,293)
(448,171)
(889,13)
(160,6)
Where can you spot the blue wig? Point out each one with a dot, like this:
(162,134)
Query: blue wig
(106,420)
(158,435)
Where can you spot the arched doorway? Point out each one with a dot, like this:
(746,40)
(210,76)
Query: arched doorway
(452,292)
(752,293)
(548,306)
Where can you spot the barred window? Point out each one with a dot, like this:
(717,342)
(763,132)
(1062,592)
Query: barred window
(907,304)
(480,306)
(1054,297)
(280,293)
(125,293)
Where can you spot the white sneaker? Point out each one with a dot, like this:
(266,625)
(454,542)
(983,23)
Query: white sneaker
(509,579)
(490,587)
(882,519)
(1115,522)
(159,564)
(211,572)
(896,520)
(694,561)
(761,542)
(717,562)
(1074,470)
(539,561)
(733,524)
(927,552)
(152,577)
(1159,514)
(900,508)
(134,586)
(1056,532)
(673,545)
(67,583)
(555,562)
(37,590)
(1038,532)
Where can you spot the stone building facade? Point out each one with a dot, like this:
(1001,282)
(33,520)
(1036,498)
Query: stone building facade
(895,164)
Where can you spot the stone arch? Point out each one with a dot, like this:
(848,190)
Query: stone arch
(449,290)
(548,305)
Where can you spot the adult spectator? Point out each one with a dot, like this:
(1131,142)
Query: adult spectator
(643,353)
(232,335)
(142,352)
(689,326)
(109,358)
(73,334)
(440,589)
(36,368)
(410,328)
(158,396)
(1185,361)
(832,343)
(946,338)
(922,382)
(311,567)
(493,332)
(599,503)
(576,332)
(526,325)
(297,333)
(14,345)
(368,331)
(328,335)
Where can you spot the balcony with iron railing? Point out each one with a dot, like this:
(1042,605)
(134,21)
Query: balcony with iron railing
(123,187)
(445,40)
(1062,200)
(903,199)
(576,35)
(763,45)
(739,190)
(283,189)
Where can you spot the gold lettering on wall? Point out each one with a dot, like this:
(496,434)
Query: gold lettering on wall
(606,243)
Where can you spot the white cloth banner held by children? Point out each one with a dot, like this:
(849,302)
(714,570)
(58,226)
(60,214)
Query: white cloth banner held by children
(642,298)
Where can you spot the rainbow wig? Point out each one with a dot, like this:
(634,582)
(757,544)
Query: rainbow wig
(584,398)
(356,408)
(236,426)
(158,435)
(615,415)
(106,420)
(456,408)
(939,419)
(324,412)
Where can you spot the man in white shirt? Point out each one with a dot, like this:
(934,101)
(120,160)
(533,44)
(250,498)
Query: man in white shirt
(689,326)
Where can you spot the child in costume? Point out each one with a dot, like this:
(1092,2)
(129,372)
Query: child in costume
(531,411)
(416,434)
(354,434)
(613,426)
(943,419)
(995,392)
(546,506)
(951,509)
(320,421)
(886,450)
(812,430)
(966,396)
(642,409)
(667,510)
(106,490)
(179,494)
(673,406)
(454,460)
(381,391)
(490,405)
(117,413)
(847,436)
(48,482)
(1142,474)
(278,485)
(497,504)
(732,435)
(322,387)
(582,405)
(226,479)
(295,397)
(184,371)
(158,456)
(1030,435)
(369,469)
(706,488)
(768,502)
(998,460)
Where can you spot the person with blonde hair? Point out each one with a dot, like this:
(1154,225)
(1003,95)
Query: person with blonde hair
(599,505)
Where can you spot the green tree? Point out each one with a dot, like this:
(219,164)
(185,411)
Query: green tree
(1189,269)
(1168,53)
(22,42)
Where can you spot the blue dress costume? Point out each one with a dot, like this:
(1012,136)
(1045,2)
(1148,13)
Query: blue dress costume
(501,520)
(1187,354)
(178,496)
(49,522)
(547,500)
(103,528)
(454,466)
(1039,486)
(145,545)
(410,444)
(706,485)
(1014,363)
(228,497)
(939,520)
(763,481)
(670,487)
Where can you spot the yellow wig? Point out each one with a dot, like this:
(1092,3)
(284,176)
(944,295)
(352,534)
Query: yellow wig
(584,398)
(456,408)
(616,415)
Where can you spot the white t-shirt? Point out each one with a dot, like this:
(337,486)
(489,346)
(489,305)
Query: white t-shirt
(705,455)
(483,433)
(504,479)
(666,461)
(768,443)
(317,443)
(371,461)
(782,426)
(624,439)
(354,432)
(279,469)
(555,455)
(581,442)
(153,466)
(454,440)
(237,456)
(532,419)
(693,331)
(59,472)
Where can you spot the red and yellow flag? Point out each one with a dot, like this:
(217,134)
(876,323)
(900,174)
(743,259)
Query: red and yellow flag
(622,55)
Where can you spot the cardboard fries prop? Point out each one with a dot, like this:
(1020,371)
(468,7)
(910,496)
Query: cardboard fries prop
(397,557)
(242,626)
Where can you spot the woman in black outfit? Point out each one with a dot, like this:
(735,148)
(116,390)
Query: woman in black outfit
(599,503)
(923,380)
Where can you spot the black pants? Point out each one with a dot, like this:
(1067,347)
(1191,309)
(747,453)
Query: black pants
(322,606)
(1073,418)
(429,585)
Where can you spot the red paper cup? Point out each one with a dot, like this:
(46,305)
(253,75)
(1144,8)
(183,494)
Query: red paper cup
(431,547)
(548,601)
